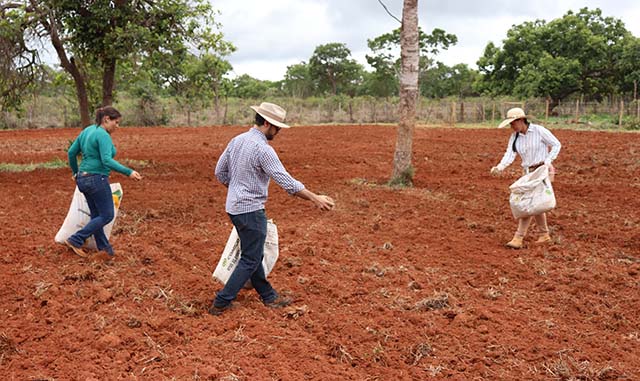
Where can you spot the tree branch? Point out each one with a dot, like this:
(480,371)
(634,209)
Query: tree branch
(387,9)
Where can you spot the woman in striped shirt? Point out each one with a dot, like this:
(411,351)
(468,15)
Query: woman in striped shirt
(536,146)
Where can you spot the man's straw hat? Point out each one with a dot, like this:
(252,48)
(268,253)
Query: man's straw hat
(273,113)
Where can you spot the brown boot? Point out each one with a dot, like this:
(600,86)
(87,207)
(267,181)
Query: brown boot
(515,243)
(78,250)
(544,238)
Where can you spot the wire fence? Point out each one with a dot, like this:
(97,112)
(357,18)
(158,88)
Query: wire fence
(613,112)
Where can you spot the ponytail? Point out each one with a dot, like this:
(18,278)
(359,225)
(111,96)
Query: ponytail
(109,111)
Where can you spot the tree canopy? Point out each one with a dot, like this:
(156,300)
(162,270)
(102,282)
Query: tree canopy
(581,52)
(100,34)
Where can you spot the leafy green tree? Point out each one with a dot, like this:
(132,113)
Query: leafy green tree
(629,65)
(245,86)
(386,61)
(442,81)
(333,71)
(198,80)
(298,82)
(100,33)
(578,53)
(19,65)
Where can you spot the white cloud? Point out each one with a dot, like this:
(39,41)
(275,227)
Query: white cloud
(270,35)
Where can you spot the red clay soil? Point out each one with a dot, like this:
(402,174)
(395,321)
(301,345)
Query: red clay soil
(410,284)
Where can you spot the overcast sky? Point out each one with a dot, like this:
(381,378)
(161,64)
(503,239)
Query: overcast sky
(273,34)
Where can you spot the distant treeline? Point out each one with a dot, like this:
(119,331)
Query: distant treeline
(614,112)
(163,73)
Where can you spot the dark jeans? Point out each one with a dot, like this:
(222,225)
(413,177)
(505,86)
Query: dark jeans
(252,230)
(97,191)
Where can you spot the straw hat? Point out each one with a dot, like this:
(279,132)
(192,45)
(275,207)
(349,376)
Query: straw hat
(273,113)
(513,114)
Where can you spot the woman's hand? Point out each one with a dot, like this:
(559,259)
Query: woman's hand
(135,175)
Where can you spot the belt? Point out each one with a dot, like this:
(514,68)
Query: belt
(83,174)
(535,166)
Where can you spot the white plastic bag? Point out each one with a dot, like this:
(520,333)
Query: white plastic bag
(532,194)
(79,215)
(231,254)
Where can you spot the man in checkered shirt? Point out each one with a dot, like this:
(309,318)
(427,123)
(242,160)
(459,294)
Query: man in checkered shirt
(245,168)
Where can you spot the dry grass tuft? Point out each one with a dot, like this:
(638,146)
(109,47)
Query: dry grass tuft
(178,304)
(419,351)
(41,288)
(339,352)
(80,277)
(7,347)
(492,293)
(567,368)
(437,302)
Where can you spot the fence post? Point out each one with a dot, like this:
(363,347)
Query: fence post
(462,112)
(493,112)
(635,98)
(453,114)
(621,112)
(577,112)
(546,110)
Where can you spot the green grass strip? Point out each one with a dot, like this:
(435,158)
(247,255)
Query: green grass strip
(13,167)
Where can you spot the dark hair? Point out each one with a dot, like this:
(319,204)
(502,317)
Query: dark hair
(513,146)
(260,120)
(109,111)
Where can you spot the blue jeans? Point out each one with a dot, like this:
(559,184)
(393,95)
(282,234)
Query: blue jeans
(97,191)
(252,230)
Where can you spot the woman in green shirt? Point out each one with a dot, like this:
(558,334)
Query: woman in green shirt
(92,177)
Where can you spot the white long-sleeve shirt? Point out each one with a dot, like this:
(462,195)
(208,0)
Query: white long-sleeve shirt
(533,147)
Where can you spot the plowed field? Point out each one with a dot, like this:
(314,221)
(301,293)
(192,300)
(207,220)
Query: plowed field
(410,284)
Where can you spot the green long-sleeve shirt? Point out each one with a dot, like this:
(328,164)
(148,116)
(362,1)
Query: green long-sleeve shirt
(97,153)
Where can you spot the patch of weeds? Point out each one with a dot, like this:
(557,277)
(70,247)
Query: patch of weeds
(7,347)
(137,163)
(80,277)
(375,269)
(362,181)
(566,368)
(378,354)
(292,262)
(296,312)
(437,302)
(132,322)
(403,179)
(177,304)
(13,167)
(418,351)
(238,334)
(435,370)
(340,353)
(231,377)
(41,288)
(492,293)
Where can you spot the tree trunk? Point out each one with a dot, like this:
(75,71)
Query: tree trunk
(552,105)
(108,80)
(410,57)
(68,64)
